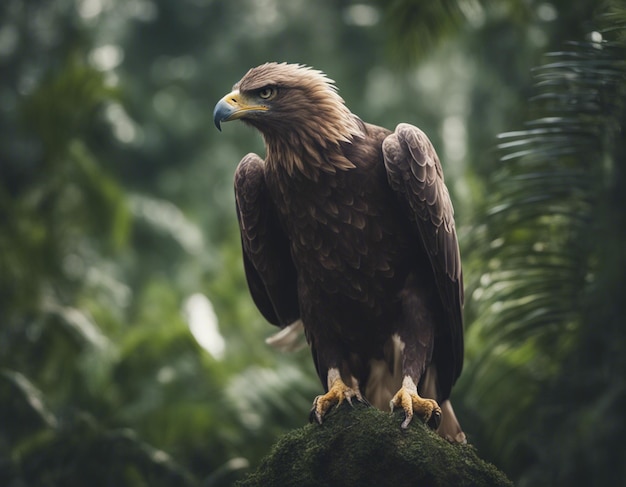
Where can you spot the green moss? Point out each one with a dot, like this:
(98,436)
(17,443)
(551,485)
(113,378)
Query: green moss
(363,446)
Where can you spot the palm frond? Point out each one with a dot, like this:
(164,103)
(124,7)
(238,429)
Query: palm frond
(547,237)
(415,26)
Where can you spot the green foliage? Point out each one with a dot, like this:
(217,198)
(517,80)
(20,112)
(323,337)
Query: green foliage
(49,451)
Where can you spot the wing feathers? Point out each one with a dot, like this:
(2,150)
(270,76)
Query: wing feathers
(414,171)
(270,272)
(415,174)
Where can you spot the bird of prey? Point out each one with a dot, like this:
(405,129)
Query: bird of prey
(347,230)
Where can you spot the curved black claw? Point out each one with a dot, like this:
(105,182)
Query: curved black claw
(435,420)
(314,415)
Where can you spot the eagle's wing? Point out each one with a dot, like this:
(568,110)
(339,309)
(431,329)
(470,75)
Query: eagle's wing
(415,174)
(270,272)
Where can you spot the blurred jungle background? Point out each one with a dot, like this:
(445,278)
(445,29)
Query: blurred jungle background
(130,351)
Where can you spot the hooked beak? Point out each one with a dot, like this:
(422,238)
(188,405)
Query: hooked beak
(232,107)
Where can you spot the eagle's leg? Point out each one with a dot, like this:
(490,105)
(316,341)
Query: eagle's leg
(410,401)
(337,392)
(416,340)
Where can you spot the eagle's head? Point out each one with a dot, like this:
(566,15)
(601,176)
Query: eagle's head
(292,105)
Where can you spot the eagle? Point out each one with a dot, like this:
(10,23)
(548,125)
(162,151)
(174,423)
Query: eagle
(348,232)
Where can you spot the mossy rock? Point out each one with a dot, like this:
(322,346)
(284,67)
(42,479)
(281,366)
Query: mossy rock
(363,446)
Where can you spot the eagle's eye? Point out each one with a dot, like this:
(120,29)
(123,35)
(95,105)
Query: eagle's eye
(267,92)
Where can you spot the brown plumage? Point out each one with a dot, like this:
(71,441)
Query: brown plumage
(348,229)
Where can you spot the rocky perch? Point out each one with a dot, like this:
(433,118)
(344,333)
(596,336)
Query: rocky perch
(363,446)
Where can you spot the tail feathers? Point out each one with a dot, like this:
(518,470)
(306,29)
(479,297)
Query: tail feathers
(289,339)
(450,428)
(381,384)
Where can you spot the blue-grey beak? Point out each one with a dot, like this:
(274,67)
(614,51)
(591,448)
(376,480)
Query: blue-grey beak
(233,106)
(221,112)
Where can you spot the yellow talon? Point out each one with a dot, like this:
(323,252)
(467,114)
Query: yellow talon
(337,392)
(408,399)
